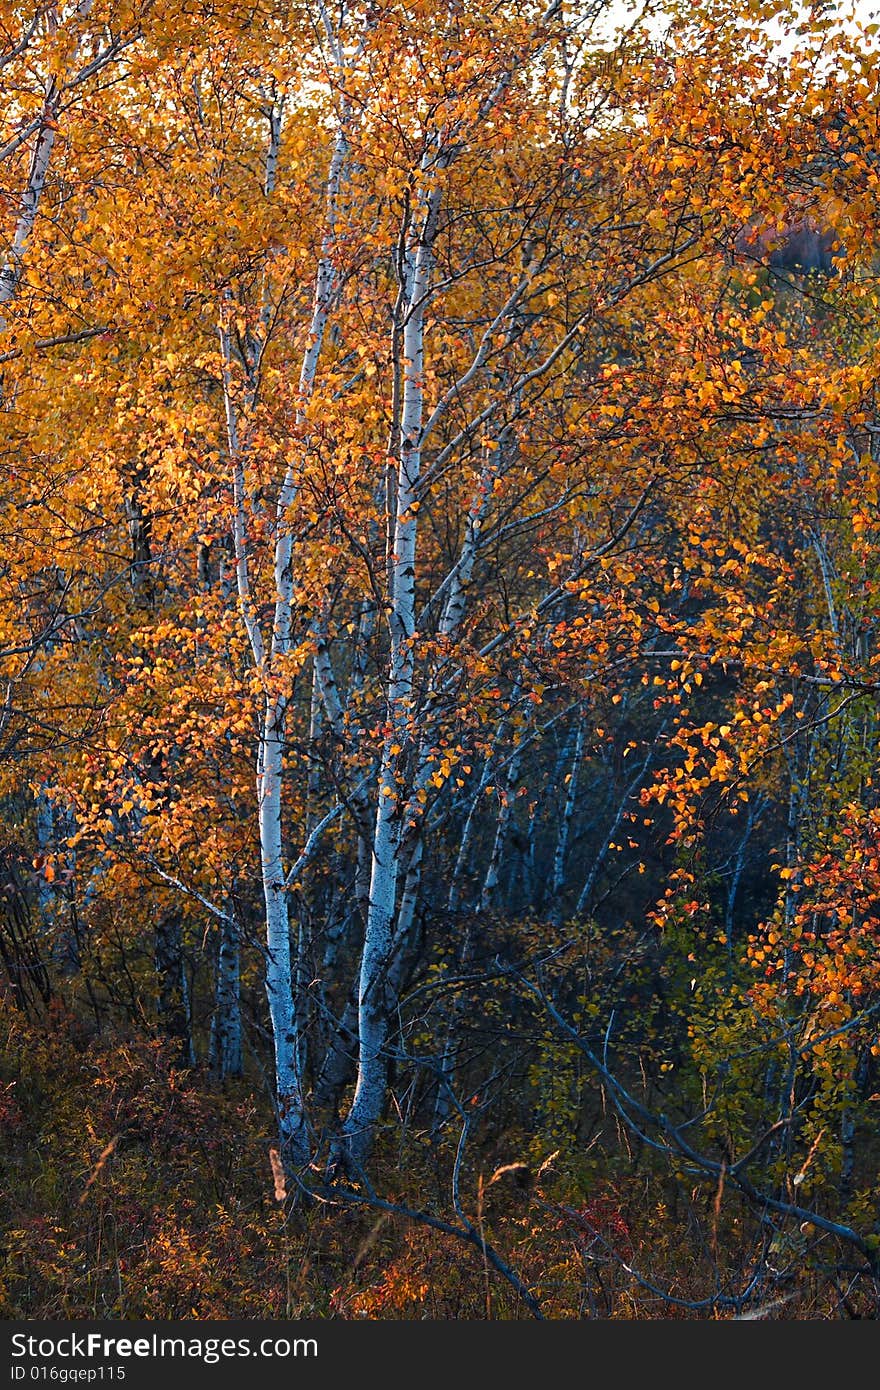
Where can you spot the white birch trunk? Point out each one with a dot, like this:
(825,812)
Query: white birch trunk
(376,1001)
(406,921)
(558,881)
(359,800)
(493,868)
(279,976)
(11,272)
(270,771)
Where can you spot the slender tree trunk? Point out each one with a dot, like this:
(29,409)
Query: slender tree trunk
(359,800)
(11,272)
(462,859)
(29,204)
(279,974)
(225,1053)
(502,824)
(558,880)
(376,1003)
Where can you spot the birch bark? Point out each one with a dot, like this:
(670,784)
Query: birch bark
(375,1003)
(45,127)
(558,883)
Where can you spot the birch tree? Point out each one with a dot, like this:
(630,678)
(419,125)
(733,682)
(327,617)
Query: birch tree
(420,444)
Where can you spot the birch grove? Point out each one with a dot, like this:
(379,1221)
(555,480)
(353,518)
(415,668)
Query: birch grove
(438,593)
